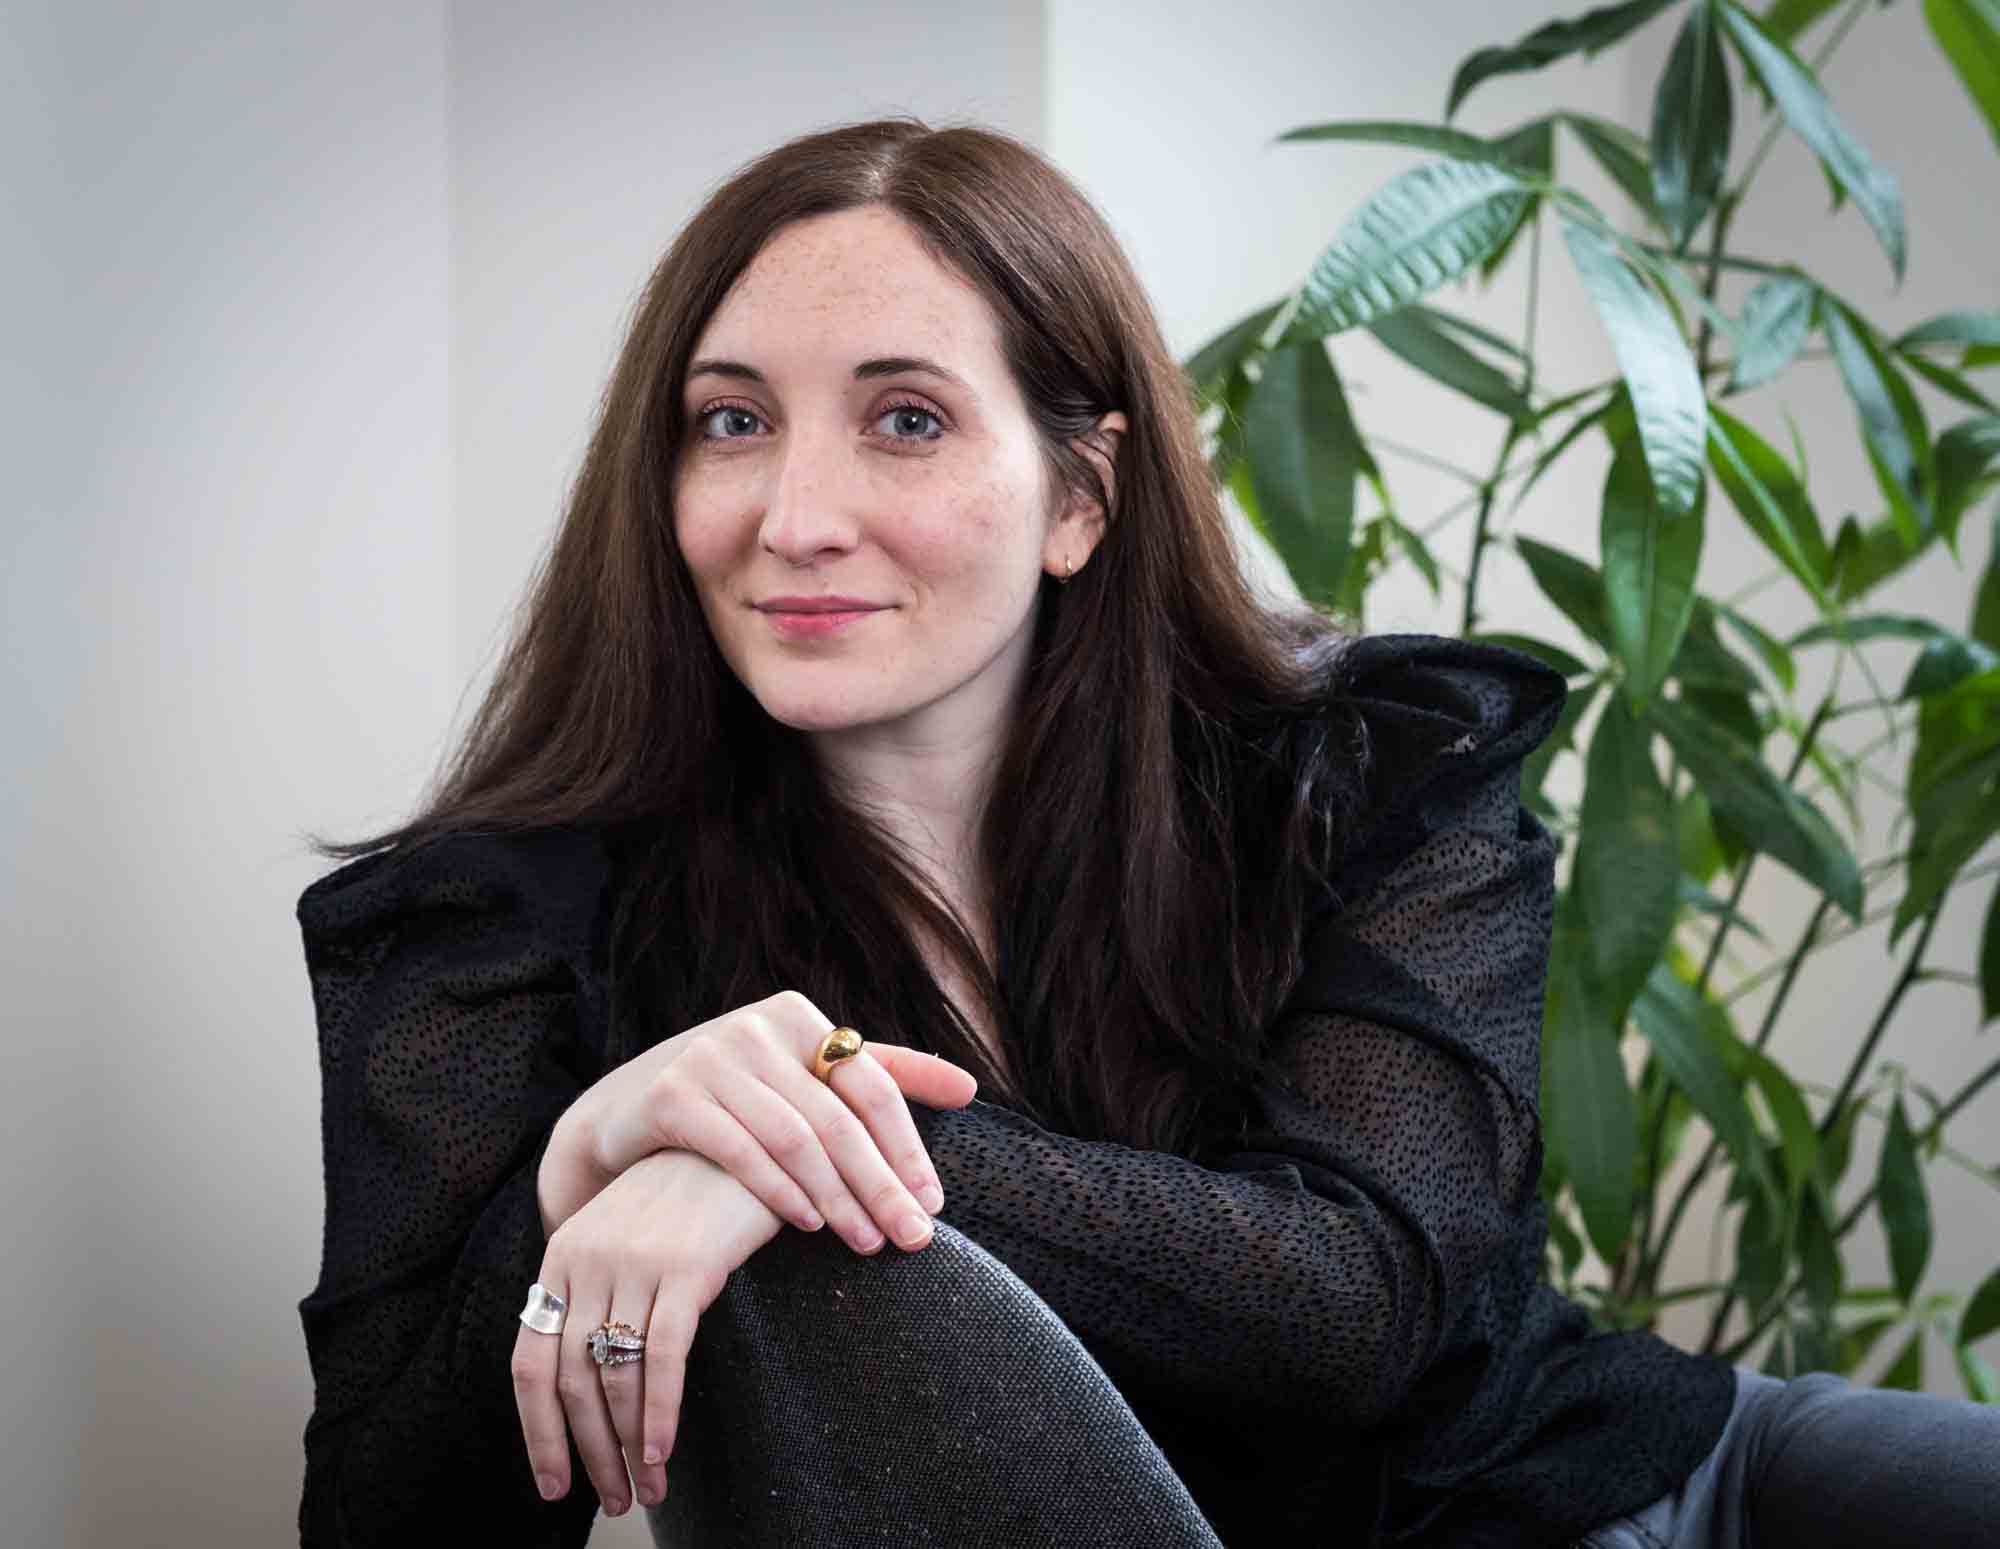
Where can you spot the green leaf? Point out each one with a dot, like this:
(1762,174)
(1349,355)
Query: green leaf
(1963,327)
(1874,189)
(1667,400)
(1616,405)
(1695,896)
(1705,663)
(1819,1253)
(1760,1252)
(1627,866)
(1858,1340)
(1451,322)
(1455,143)
(1777,316)
(1650,560)
(1989,960)
(1208,369)
(1906,1372)
(1968,32)
(1693,117)
(1535,767)
(1982,1314)
(1685,1035)
(1864,558)
(1594,1125)
(1871,626)
(1554,655)
(1552,41)
(1892,422)
(1949,383)
(1773,817)
(1798,1135)
(1786,19)
(1982,1383)
(1968,465)
(1946,659)
(1302,460)
(1571,584)
(1770,498)
(1420,230)
(1904,1205)
(1418,551)
(1411,336)
(1776,657)
(1622,154)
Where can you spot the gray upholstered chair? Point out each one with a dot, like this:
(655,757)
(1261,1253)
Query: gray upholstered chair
(837,1399)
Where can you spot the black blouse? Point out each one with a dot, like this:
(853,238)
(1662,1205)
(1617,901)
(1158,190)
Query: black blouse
(1337,1331)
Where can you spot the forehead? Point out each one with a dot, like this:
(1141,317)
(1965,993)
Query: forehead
(852,283)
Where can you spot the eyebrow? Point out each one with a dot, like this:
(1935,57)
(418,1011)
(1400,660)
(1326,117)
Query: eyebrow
(879,366)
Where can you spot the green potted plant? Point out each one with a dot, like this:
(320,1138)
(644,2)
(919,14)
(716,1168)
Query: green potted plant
(1659,861)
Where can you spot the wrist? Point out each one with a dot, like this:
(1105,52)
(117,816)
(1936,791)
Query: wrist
(568,1179)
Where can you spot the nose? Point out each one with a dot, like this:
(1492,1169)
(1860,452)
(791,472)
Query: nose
(806,514)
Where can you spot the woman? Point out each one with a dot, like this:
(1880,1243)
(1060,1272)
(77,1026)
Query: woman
(891,669)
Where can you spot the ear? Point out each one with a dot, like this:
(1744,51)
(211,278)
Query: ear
(1077,530)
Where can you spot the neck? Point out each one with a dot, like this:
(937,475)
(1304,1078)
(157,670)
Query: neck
(927,788)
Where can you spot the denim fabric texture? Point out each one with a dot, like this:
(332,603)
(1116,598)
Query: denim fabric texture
(1821,1461)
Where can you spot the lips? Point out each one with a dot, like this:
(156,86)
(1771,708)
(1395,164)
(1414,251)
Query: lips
(800,618)
(818,605)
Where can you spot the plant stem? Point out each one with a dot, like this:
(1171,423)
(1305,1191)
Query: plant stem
(1832,1115)
(1832,938)
(1930,1132)
(1867,1049)
(1491,487)
(1700,1172)
(1653,1254)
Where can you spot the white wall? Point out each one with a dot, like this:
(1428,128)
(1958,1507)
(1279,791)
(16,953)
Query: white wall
(1174,142)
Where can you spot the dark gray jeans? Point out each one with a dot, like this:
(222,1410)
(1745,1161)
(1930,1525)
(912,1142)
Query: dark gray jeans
(1820,1461)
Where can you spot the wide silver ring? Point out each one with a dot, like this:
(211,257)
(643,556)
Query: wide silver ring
(616,1344)
(545,1310)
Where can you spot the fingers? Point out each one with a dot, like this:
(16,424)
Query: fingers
(537,1358)
(864,1127)
(792,1143)
(634,1389)
(708,1127)
(880,1136)
(925,1078)
(670,1333)
(583,1401)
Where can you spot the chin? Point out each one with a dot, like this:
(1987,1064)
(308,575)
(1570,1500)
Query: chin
(814,713)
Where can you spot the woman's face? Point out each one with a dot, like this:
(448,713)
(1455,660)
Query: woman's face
(830,459)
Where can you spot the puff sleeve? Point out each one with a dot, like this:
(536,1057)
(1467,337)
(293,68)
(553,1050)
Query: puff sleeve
(1316,1269)
(456,1022)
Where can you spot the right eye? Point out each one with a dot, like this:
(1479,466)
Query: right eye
(729,413)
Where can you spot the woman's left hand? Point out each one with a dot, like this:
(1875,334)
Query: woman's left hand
(653,1249)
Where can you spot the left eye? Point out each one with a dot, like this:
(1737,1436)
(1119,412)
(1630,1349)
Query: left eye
(898,411)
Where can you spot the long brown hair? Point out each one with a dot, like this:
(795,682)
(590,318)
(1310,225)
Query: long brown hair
(1166,807)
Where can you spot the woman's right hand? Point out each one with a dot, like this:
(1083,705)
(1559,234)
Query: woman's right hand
(739,1090)
(652,1249)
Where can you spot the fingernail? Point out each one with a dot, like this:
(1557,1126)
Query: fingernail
(911,1230)
(549,1485)
(870,1239)
(646,1496)
(931,1197)
(652,1454)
